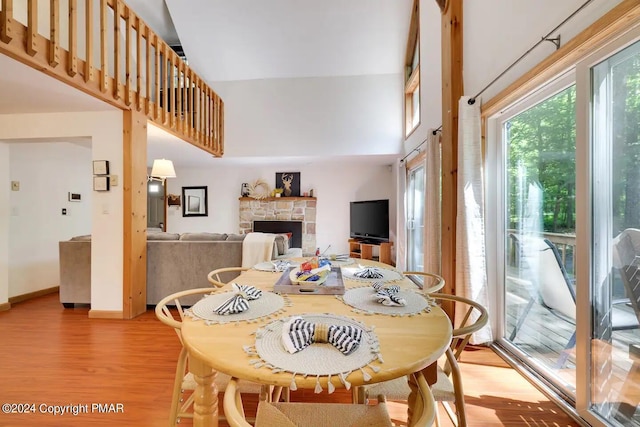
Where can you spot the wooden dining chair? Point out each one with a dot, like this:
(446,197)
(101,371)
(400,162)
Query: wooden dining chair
(170,311)
(221,276)
(448,387)
(324,414)
(428,282)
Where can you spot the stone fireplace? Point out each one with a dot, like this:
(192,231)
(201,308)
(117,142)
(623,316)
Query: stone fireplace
(297,209)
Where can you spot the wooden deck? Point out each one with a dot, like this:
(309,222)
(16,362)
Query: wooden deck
(55,356)
(543,337)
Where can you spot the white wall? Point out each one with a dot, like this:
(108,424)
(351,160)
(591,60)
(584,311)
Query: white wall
(313,116)
(105,131)
(4,223)
(497,32)
(47,172)
(334,183)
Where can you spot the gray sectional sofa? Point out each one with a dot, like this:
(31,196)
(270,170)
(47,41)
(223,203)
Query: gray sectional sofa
(175,262)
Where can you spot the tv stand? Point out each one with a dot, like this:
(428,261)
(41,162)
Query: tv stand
(364,250)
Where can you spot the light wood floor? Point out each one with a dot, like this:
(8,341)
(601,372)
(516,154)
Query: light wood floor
(55,356)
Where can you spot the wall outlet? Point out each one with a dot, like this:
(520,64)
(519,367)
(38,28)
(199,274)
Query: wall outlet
(15,185)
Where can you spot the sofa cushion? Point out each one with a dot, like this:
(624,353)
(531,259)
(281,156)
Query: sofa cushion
(236,237)
(215,237)
(163,236)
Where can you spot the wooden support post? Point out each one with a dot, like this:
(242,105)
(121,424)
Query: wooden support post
(452,90)
(134,191)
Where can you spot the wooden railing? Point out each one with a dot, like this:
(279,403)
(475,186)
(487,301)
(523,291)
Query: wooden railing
(566,244)
(103,48)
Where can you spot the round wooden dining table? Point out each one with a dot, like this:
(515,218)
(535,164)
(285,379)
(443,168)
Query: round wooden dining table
(407,344)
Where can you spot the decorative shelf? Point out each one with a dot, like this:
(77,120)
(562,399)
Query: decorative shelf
(269,199)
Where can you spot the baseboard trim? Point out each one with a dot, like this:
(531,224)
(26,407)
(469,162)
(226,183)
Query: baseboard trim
(105,314)
(5,306)
(30,295)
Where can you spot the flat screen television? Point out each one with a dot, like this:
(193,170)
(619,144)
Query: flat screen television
(370,220)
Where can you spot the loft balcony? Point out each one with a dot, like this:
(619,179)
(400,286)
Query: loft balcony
(104,49)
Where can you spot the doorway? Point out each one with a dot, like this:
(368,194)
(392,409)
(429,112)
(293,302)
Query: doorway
(156,206)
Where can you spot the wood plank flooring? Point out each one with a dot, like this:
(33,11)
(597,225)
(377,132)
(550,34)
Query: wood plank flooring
(55,356)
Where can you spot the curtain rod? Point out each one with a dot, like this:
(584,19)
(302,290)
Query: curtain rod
(419,145)
(555,41)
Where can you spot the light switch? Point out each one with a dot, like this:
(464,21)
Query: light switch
(113,180)
(15,185)
(64,211)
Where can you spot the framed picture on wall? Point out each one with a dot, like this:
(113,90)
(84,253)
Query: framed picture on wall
(194,201)
(289,182)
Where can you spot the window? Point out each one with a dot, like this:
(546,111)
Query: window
(412,73)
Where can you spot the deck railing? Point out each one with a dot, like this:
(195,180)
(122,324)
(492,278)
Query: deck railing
(566,244)
(104,49)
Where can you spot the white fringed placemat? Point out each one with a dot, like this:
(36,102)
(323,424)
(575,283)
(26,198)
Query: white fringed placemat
(318,359)
(363,299)
(268,304)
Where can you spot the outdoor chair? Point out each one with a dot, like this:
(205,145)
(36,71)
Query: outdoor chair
(555,291)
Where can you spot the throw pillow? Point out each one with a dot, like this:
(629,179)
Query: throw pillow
(282,243)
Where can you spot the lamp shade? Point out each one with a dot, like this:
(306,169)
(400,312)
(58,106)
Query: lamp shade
(163,168)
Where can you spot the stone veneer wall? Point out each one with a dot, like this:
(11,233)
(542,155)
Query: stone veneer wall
(282,209)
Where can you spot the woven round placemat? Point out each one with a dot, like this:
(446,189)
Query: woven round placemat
(387,274)
(269,303)
(363,299)
(321,359)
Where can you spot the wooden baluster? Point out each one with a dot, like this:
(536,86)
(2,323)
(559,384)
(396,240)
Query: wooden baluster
(221,131)
(185,101)
(32,26)
(6,16)
(172,78)
(72,60)
(88,65)
(139,63)
(208,129)
(189,103)
(128,93)
(179,99)
(156,39)
(147,33)
(54,33)
(104,64)
(116,45)
(165,84)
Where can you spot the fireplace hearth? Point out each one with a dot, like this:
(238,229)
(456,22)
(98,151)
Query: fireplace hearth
(278,216)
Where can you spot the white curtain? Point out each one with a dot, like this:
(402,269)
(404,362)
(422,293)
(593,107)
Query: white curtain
(432,203)
(471,271)
(401,232)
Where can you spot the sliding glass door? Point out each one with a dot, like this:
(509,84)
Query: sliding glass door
(614,219)
(415,218)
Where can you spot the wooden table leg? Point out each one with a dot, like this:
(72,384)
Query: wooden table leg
(205,405)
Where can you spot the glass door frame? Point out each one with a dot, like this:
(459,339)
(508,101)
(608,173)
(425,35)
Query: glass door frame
(496,213)
(584,221)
